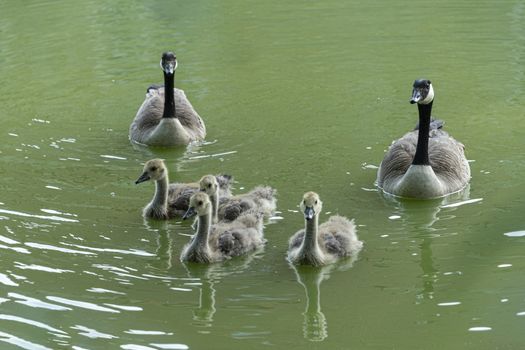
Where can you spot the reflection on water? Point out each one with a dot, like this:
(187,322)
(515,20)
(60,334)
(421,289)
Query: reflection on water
(315,325)
(206,277)
(420,216)
(297,94)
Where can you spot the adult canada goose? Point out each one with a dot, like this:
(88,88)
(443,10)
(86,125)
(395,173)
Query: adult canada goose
(323,244)
(166,119)
(172,200)
(261,198)
(224,240)
(425,162)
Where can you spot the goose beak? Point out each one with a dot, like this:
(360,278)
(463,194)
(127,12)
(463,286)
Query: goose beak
(169,67)
(142,178)
(309,213)
(189,213)
(416,96)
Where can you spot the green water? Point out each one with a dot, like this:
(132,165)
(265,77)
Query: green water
(301,96)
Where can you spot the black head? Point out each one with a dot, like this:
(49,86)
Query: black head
(422,92)
(168,62)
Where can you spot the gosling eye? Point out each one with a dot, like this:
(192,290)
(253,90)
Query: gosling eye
(316,201)
(200,203)
(304,201)
(209,185)
(153,168)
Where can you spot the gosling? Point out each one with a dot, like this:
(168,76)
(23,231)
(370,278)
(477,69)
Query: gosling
(171,200)
(218,242)
(323,244)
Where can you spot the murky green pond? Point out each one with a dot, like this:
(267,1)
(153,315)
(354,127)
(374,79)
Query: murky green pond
(302,95)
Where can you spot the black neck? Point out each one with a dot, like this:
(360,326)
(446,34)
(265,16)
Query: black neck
(421,156)
(169,99)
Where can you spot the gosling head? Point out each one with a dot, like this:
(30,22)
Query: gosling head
(199,205)
(168,62)
(311,205)
(209,185)
(422,92)
(154,169)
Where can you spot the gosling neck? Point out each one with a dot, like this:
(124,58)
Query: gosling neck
(169,99)
(310,243)
(214,198)
(200,242)
(160,199)
(421,156)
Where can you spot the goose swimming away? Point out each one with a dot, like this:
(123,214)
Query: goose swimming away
(323,244)
(224,240)
(166,119)
(426,162)
(171,200)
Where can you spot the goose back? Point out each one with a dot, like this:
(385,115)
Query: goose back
(261,198)
(180,193)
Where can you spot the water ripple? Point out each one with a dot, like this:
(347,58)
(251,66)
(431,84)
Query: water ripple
(55,248)
(8,240)
(4,279)
(136,347)
(93,334)
(124,307)
(479,329)
(36,303)
(457,204)
(110,250)
(102,290)
(143,332)
(45,217)
(112,157)
(31,323)
(515,234)
(16,249)
(81,304)
(170,346)
(40,268)
(21,343)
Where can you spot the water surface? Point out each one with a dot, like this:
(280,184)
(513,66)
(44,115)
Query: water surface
(300,96)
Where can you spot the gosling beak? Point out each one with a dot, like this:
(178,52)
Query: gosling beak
(416,96)
(309,213)
(142,178)
(189,213)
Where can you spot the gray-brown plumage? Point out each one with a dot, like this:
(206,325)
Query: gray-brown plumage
(166,120)
(261,198)
(171,200)
(323,244)
(224,240)
(425,162)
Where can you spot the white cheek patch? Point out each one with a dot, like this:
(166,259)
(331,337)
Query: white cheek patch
(430,96)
